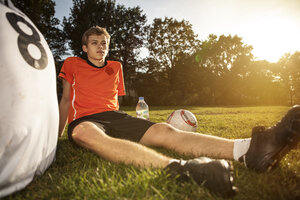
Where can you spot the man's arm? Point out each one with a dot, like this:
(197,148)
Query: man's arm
(64,107)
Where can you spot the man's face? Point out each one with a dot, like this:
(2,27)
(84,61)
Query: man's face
(96,48)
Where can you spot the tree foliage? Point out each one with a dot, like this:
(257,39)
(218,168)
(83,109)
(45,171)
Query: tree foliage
(168,39)
(225,58)
(180,69)
(41,14)
(169,43)
(288,70)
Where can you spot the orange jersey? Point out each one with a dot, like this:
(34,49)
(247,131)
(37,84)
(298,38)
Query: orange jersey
(93,89)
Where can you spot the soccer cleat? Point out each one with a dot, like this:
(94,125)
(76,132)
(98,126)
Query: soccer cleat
(268,146)
(215,175)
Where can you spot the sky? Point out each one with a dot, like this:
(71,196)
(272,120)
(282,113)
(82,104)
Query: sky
(272,27)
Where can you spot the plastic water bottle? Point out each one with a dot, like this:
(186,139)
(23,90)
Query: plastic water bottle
(142,109)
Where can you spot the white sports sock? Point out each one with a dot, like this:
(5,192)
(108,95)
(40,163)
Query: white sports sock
(182,162)
(240,147)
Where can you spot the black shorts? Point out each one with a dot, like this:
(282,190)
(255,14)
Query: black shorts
(116,124)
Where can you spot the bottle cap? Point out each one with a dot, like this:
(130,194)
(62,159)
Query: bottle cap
(141,98)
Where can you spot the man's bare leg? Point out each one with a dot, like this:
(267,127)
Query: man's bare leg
(261,152)
(189,143)
(205,172)
(88,135)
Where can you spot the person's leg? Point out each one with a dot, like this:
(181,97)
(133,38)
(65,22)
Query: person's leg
(216,175)
(265,149)
(195,144)
(88,135)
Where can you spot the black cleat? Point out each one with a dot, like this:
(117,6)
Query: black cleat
(216,175)
(268,146)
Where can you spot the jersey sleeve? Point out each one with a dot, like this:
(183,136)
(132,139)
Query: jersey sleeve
(121,86)
(66,70)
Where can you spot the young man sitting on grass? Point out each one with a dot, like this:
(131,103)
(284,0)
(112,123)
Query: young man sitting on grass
(90,102)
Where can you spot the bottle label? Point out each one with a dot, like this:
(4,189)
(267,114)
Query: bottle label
(144,114)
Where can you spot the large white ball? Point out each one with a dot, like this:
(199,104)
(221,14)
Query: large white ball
(183,120)
(29,115)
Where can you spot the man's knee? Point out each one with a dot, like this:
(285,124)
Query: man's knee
(79,133)
(161,128)
(158,134)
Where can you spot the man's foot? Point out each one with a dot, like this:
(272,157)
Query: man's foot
(216,175)
(268,146)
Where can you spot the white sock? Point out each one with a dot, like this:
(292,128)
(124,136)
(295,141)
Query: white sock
(182,162)
(240,147)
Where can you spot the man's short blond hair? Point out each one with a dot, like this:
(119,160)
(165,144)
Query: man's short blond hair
(95,30)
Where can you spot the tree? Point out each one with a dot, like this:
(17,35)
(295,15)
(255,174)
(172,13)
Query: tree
(223,58)
(186,81)
(259,85)
(294,67)
(170,43)
(168,39)
(41,14)
(289,72)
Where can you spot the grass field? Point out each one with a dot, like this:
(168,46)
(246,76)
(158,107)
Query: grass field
(80,174)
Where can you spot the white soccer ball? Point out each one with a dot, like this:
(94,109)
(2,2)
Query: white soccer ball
(183,120)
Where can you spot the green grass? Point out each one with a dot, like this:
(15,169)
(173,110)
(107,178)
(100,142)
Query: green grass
(80,174)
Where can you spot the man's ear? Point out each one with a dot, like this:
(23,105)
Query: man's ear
(84,48)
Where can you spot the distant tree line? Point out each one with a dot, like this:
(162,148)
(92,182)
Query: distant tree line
(178,69)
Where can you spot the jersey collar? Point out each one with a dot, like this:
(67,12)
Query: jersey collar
(90,63)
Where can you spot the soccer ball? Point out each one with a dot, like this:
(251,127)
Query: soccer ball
(183,120)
